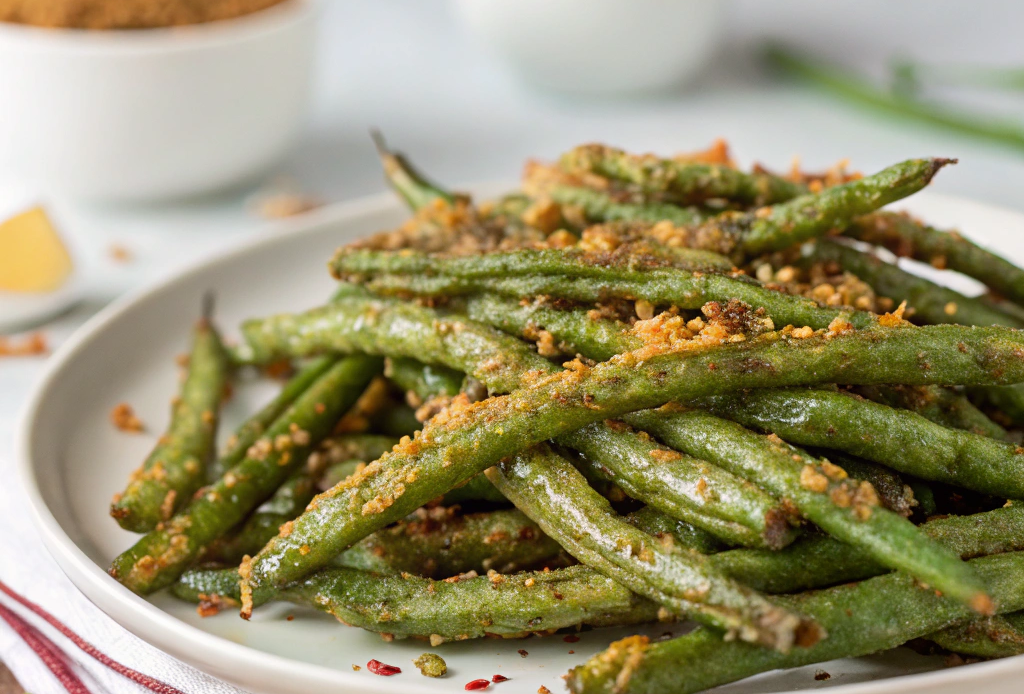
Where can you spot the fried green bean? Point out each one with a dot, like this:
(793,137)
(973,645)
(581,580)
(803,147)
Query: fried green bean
(822,492)
(423,380)
(252,428)
(999,636)
(595,282)
(158,558)
(656,523)
(362,262)
(573,331)
(298,490)
(548,489)
(814,215)
(451,610)
(476,488)
(932,303)
(907,237)
(410,184)
(453,448)
(176,467)
(287,503)
(900,439)
(682,181)
(682,487)
(488,354)
(393,329)
(861,618)
(599,206)
(819,561)
(438,544)
(940,405)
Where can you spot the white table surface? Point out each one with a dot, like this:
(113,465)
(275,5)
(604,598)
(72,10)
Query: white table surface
(405,67)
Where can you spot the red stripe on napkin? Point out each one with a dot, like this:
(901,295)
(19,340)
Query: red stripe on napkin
(146,681)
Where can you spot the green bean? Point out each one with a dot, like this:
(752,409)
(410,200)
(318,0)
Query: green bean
(590,283)
(573,331)
(682,487)
(599,206)
(477,488)
(410,184)
(932,303)
(818,561)
(999,636)
(548,489)
(453,448)
(437,544)
(861,618)
(940,405)
(380,326)
(656,523)
(925,495)
(176,467)
(161,556)
(450,610)
(489,355)
(252,428)
(821,492)
(900,439)
(854,89)
(287,503)
(297,491)
(812,216)
(907,237)
(685,182)
(361,262)
(423,380)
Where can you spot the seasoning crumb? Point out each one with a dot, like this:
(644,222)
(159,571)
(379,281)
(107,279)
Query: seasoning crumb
(431,665)
(290,618)
(356,668)
(283,205)
(477,684)
(523,652)
(543,690)
(119,254)
(33,345)
(382,669)
(123,417)
(821,675)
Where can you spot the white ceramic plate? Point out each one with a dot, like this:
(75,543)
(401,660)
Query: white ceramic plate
(73,461)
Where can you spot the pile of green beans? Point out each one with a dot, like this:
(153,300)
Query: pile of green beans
(619,419)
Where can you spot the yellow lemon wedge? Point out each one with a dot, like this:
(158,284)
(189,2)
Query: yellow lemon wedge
(32,256)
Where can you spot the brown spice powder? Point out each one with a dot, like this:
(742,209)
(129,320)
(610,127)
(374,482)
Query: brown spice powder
(125,14)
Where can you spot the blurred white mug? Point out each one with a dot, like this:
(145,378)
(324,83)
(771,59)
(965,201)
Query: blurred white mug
(598,46)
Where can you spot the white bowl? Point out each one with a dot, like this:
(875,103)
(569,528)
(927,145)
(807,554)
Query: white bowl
(598,46)
(154,113)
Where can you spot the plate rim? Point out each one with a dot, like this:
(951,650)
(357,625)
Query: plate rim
(195,646)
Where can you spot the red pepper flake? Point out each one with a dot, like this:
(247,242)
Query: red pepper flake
(499,678)
(523,652)
(290,617)
(477,684)
(571,638)
(379,668)
(571,651)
